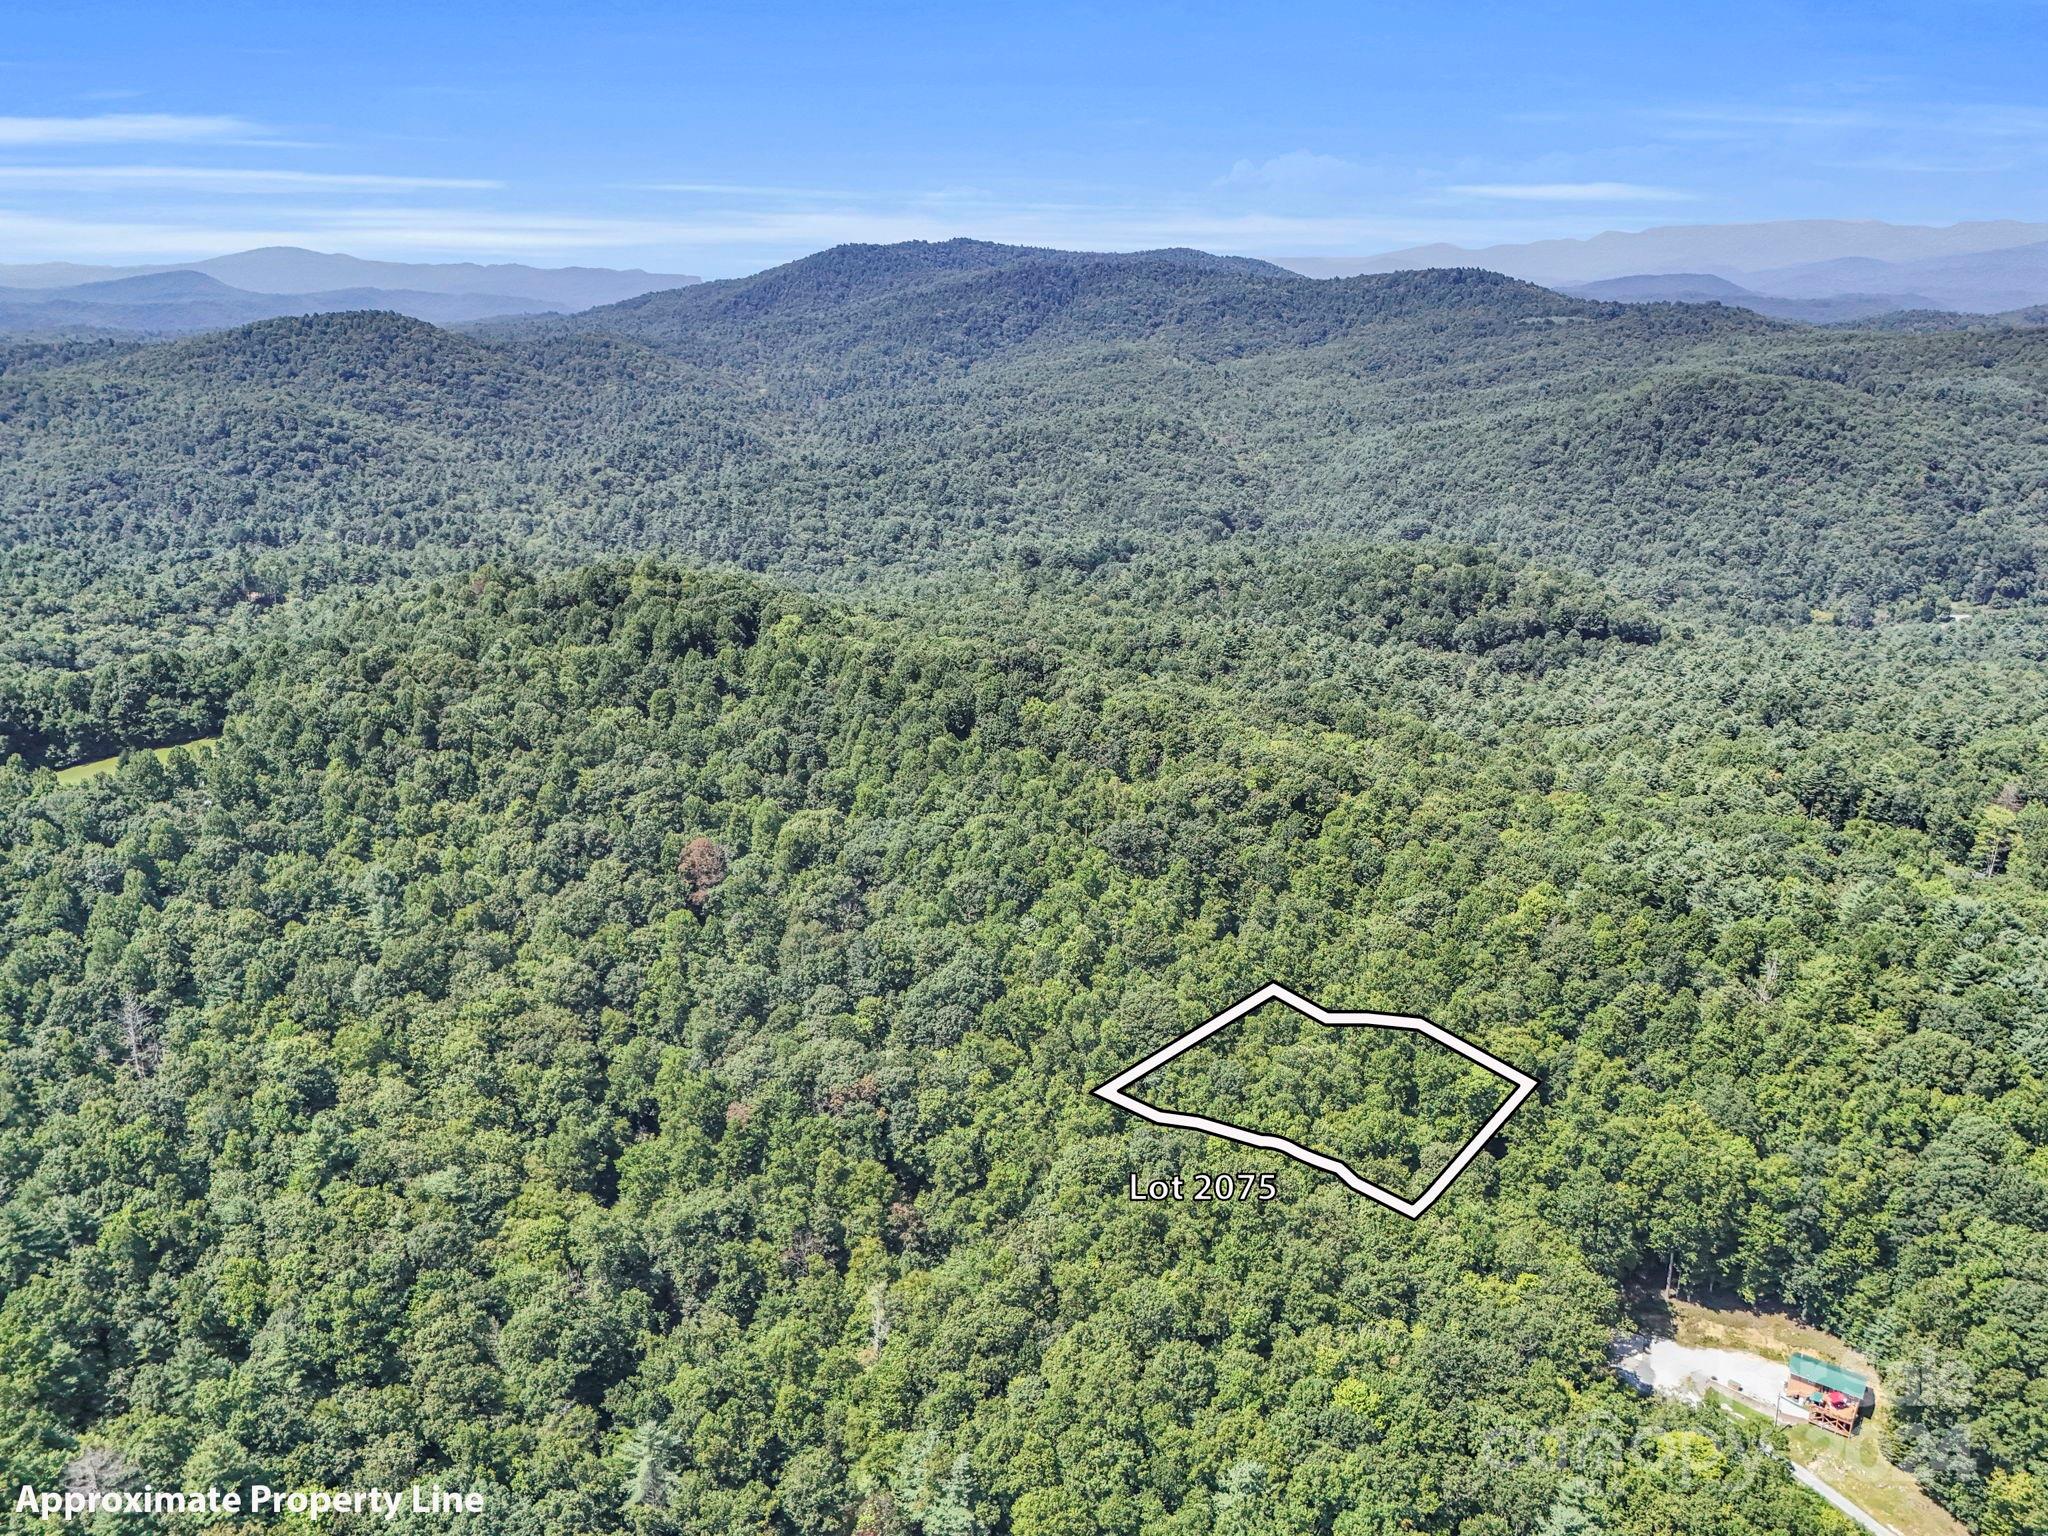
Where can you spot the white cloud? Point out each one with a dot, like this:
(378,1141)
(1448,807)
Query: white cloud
(196,178)
(741,189)
(29,235)
(1298,170)
(126,128)
(845,196)
(1574,192)
(1775,117)
(1973,122)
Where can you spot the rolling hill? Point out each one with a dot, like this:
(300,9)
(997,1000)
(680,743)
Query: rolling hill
(289,269)
(1726,250)
(1831,308)
(56,300)
(1982,282)
(181,300)
(1818,270)
(923,406)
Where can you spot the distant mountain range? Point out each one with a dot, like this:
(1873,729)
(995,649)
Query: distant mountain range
(1842,270)
(953,405)
(1818,272)
(1725,250)
(1705,288)
(61,297)
(1982,281)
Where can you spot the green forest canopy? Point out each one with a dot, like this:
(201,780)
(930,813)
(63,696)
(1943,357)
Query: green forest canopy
(617,1032)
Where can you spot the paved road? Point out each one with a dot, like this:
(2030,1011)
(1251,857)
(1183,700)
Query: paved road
(1842,1502)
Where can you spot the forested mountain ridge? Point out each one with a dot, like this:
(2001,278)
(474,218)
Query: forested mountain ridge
(876,409)
(941,307)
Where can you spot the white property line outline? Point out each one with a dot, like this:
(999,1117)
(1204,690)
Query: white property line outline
(1273,992)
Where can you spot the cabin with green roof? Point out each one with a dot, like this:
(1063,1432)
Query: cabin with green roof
(1832,1396)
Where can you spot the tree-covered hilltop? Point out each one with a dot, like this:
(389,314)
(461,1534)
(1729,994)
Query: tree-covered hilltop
(879,410)
(621,1039)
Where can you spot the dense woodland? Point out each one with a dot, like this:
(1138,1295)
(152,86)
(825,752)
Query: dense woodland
(703,788)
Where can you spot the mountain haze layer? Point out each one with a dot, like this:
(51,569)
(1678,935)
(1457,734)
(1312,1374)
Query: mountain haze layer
(1980,281)
(179,300)
(1827,308)
(1722,249)
(291,270)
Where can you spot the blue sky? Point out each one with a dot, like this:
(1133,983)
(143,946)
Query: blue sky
(720,138)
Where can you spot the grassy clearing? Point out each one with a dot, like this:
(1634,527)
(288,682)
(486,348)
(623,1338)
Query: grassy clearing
(1773,1335)
(1857,1467)
(78,773)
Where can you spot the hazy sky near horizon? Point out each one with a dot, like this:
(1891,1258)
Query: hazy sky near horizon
(719,138)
